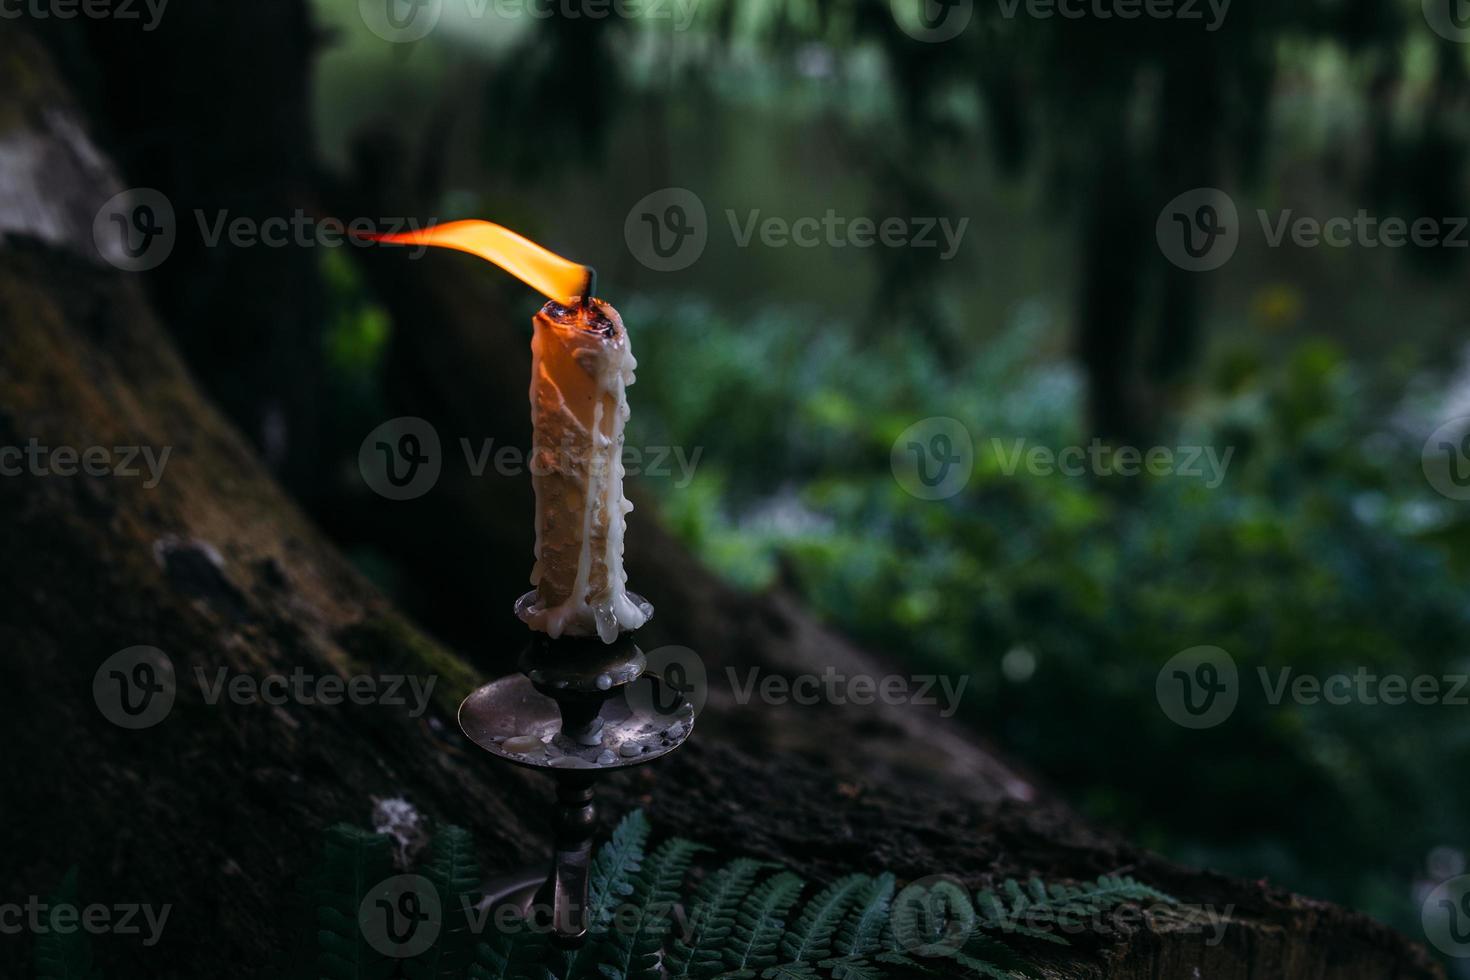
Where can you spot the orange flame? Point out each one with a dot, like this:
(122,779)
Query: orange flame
(562,280)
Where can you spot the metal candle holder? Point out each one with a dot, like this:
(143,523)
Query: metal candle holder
(579,709)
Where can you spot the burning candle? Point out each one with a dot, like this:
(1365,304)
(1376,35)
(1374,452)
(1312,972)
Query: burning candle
(581,365)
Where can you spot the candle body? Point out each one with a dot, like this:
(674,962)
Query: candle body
(581,365)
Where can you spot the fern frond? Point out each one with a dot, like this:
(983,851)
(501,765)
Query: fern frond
(862,931)
(811,937)
(492,959)
(615,868)
(1036,909)
(853,968)
(610,880)
(455,874)
(64,955)
(631,949)
(354,861)
(932,920)
(760,922)
(712,919)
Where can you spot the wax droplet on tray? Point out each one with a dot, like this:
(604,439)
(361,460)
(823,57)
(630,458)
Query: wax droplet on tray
(603,682)
(606,758)
(522,744)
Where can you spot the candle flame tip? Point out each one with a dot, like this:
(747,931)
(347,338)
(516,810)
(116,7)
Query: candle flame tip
(554,277)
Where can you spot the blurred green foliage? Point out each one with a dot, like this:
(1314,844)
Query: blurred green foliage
(1323,550)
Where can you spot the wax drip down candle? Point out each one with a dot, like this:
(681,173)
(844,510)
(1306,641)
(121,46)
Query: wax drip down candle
(581,365)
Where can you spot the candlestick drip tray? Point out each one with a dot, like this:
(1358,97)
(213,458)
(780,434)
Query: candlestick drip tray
(641,722)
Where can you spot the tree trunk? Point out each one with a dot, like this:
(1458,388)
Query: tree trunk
(218,808)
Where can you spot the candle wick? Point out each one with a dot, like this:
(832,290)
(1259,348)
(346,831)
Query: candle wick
(590,289)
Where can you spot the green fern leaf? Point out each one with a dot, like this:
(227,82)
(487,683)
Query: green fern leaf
(862,932)
(760,922)
(455,875)
(64,955)
(712,920)
(1037,910)
(610,881)
(798,970)
(852,968)
(615,868)
(811,937)
(492,959)
(354,862)
(932,920)
(631,949)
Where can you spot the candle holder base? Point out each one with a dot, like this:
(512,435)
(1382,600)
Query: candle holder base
(579,710)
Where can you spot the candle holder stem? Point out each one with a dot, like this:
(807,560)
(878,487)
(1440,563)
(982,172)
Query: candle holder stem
(564,893)
(580,709)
